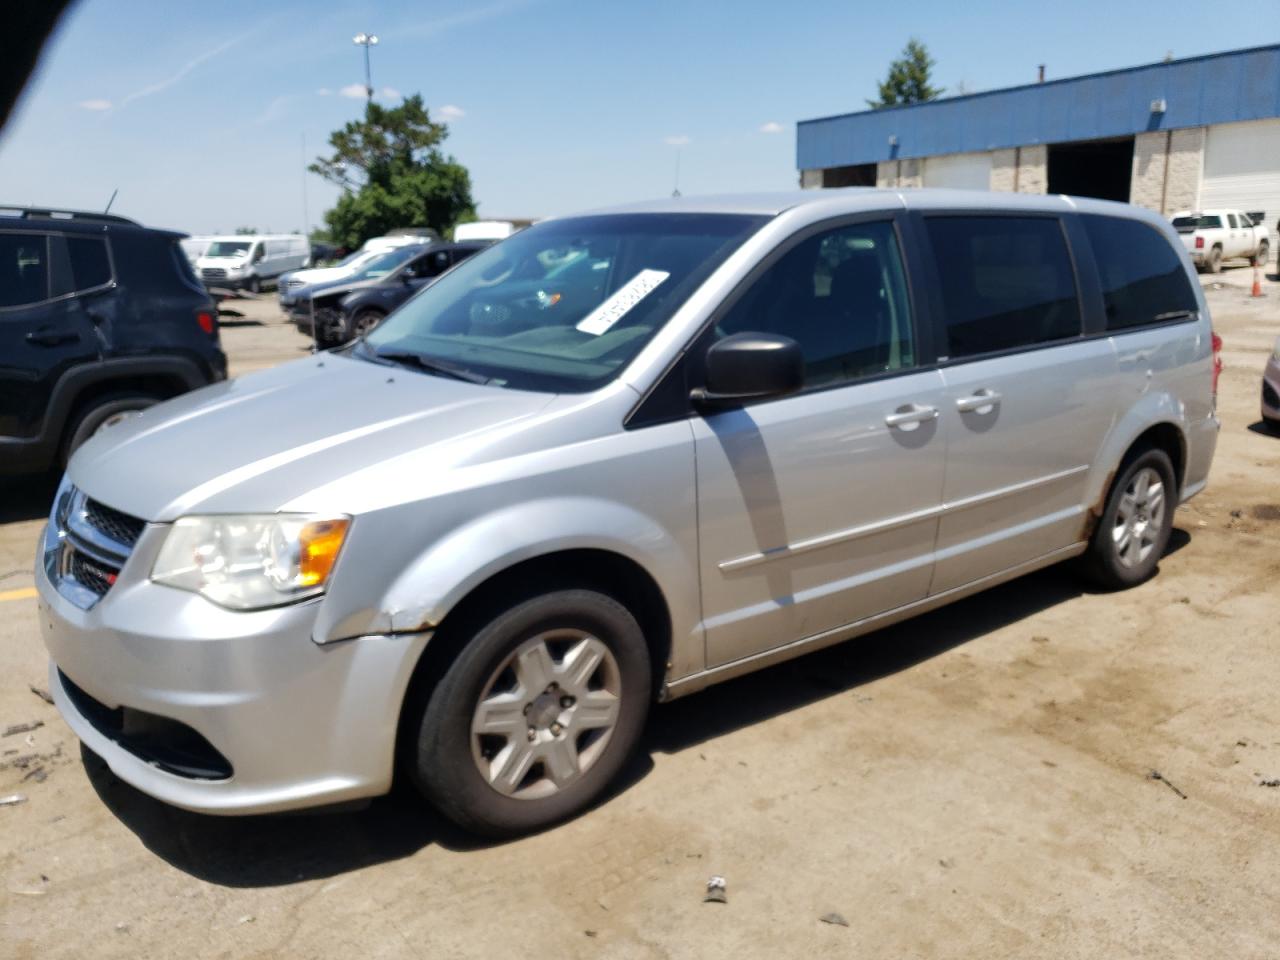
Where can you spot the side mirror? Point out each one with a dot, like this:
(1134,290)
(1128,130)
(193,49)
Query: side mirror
(748,366)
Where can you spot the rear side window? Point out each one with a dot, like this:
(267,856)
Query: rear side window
(24,269)
(89,263)
(1144,280)
(1006,282)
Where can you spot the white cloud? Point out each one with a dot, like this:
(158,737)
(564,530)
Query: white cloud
(679,140)
(354,91)
(771,127)
(182,71)
(95,104)
(429,28)
(275,109)
(451,112)
(390,93)
(324,92)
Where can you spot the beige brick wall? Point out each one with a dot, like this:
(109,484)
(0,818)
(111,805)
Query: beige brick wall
(1147,188)
(1186,165)
(810,179)
(1004,169)
(1167,167)
(1033,169)
(899,173)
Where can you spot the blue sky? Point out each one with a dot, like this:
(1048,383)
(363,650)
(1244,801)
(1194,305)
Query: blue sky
(198,112)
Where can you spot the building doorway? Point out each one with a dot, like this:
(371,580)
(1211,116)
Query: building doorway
(1092,168)
(858,175)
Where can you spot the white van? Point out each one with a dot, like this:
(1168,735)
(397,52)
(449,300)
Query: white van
(193,248)
(484,230)
(248,262)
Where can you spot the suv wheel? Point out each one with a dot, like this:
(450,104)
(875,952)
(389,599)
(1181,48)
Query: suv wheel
(363,322)
(1134,529)
(1214,263)
(537,714)
(101,414)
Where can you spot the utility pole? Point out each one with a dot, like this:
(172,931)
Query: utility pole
(366,40)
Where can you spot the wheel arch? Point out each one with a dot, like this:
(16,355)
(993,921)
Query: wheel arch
(1155,423)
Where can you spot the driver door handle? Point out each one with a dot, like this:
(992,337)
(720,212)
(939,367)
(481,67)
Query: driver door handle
(51,337)
(979,402)
(911,414)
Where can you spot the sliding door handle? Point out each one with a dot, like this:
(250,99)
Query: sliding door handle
(908,417)
(983,401)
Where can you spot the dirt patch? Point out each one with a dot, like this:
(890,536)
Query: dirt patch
(1266,511)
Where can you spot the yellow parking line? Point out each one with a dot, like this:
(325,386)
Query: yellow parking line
(22,593)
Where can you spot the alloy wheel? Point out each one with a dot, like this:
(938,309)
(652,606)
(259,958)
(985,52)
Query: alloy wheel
(1139,517)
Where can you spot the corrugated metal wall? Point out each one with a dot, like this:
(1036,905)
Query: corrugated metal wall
(1220,88)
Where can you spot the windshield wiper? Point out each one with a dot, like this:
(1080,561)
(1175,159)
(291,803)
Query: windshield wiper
(431,365)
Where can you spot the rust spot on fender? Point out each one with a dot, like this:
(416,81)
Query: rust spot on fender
(1093,515)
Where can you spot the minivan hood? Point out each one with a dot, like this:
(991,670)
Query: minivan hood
(254,444)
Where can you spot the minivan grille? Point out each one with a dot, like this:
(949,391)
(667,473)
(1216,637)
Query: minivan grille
(89,545)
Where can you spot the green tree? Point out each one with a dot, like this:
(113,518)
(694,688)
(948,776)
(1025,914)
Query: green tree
(393,174)
(908,79)
(247,231)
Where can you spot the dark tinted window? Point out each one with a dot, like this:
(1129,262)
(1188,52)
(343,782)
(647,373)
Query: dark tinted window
(841,295)
(89,264)
(1231,218)
(1144,279)
(24,269)
(1006,282)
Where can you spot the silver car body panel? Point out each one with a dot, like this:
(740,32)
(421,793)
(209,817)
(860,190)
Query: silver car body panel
(769,530)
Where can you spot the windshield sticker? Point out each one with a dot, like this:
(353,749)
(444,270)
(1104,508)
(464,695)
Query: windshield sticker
(602,318)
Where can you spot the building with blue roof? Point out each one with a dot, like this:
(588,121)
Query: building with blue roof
(1197,133)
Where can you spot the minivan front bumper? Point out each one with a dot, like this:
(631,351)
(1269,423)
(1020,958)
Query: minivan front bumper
(299,724)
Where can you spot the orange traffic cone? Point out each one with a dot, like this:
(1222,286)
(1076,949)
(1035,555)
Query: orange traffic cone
(1257,280)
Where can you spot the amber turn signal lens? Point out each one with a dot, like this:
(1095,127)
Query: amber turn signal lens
(320,542)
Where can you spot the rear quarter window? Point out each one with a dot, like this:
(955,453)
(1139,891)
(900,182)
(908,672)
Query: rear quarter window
(1006,282)
(1144,280)
(90,265)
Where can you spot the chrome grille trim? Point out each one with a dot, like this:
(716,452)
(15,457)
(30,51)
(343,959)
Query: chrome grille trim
(81,558)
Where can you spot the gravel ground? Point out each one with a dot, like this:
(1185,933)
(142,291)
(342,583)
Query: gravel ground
(976,782)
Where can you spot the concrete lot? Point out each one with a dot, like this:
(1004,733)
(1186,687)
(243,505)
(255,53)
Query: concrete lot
(975,783)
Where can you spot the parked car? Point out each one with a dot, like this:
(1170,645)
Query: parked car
(296,300)
(1271,390)
(99,318)
(250,262)
(194,247)
(344,313)
(491,230)
(289,284)
(611,459)
(1212,236)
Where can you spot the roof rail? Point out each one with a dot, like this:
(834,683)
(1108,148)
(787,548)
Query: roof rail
(37,213)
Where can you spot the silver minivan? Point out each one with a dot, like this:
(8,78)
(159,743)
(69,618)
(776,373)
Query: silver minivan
(612,460)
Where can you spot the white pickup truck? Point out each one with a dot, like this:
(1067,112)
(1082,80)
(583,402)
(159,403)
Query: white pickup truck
(1212,236)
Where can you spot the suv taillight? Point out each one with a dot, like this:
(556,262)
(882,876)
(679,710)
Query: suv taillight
(1199,243)
(207,320)
(1217,364)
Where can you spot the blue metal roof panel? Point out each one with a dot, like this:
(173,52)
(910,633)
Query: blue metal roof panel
(1217,88)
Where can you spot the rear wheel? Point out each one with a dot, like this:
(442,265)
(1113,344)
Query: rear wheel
(1214,263)
(101,414)
(536,716)
(1134,529)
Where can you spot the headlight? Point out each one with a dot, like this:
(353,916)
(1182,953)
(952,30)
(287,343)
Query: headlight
(251,562)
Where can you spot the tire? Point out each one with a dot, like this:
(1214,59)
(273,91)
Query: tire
(254,286)
(501,785)
(1133,532)
(364,321)
(100,414)
(1214,262)
(1263,256)
(329,331)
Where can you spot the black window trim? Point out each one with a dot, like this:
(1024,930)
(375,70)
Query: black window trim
(48,236)
(935,282)
(920,327)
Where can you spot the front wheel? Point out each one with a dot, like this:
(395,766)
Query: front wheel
(1263,256)
(536,716)
(254,286)
(363,322)
(1134,529)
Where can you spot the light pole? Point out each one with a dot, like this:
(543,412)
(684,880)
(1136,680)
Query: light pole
(366,40)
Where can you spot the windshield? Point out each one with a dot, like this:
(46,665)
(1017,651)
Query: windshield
(353,258)
(228,248)
(564,305)
(384,263)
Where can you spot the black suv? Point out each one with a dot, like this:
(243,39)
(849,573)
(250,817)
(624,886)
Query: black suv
(99,318)
(349,310)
